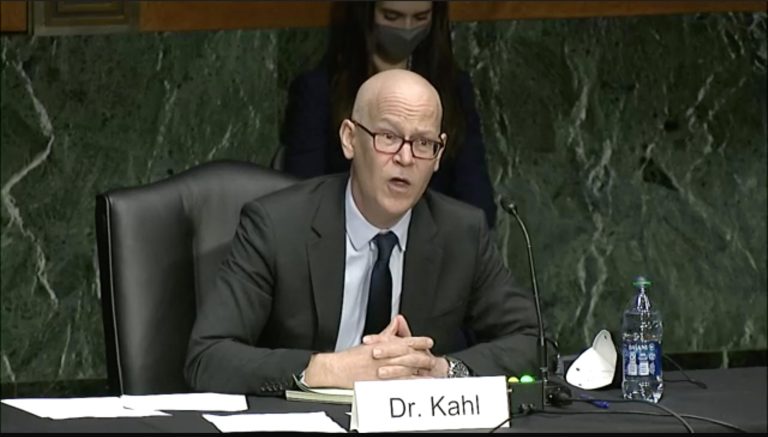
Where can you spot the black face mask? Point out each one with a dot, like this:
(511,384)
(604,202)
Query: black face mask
(399,43)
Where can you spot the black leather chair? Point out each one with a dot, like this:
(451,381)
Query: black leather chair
(159,246)
(278,159)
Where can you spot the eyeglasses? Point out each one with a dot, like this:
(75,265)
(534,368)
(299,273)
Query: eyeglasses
(389,143)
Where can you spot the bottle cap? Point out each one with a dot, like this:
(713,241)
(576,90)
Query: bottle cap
(640,281)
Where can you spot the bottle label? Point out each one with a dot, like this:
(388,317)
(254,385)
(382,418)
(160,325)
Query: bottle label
(642,358)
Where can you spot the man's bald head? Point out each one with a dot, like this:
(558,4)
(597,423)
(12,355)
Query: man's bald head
(393,109)
(391,86)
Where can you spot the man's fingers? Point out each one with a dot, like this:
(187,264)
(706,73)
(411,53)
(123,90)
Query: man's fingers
(390,350)
(398,327)
(374,338)
(390,329)
(398,347)
(416,364)
(399,372)
(403,330)
(419,343)
(414,360)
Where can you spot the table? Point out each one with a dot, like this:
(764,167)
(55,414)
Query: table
(737,396)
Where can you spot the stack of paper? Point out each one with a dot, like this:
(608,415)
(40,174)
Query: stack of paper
(326,395)
(72,408)
(286,422)
(186,402)
(127,405)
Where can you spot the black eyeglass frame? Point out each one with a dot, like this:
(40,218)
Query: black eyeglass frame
(436,148)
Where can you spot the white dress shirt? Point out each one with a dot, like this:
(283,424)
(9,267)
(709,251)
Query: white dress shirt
(361,255)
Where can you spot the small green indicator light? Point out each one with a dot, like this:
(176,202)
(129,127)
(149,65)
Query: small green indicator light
(512,380)
(526,379)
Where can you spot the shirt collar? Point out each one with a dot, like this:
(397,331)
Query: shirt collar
(361,232)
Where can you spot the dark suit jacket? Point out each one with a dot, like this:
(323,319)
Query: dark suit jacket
(311,150)
(279,293)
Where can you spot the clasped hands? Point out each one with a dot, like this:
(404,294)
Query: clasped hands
(394,353)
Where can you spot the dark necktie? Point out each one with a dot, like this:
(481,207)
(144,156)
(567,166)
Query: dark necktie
(380,293)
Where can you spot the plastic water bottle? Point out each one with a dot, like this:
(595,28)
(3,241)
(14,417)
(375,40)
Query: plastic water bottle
(641,347)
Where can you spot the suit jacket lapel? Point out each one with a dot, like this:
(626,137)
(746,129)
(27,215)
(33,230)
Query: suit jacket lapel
(326,255)
(423,257)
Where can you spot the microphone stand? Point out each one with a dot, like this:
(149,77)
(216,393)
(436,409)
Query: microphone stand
(511,208)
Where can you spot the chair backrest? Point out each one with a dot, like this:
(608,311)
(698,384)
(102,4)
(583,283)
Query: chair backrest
(159,246)
(278,159)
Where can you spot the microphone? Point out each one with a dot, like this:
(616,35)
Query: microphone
(555,393)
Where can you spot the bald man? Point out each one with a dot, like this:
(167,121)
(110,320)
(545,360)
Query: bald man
(366,275)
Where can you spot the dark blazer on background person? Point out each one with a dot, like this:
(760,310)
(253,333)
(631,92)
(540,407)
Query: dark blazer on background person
(311,150)
(280,291)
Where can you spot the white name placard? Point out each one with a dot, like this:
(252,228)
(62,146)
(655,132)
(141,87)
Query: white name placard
(429,404)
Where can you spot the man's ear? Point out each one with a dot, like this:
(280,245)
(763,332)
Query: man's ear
(346,135)
(444,139)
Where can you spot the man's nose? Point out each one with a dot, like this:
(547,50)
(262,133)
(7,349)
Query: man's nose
(404,156)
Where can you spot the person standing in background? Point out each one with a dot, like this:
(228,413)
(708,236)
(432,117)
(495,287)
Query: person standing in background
(370,37)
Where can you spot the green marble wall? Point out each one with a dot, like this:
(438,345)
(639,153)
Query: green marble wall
(632,145)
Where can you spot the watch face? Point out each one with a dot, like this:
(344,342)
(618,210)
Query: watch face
(457,369)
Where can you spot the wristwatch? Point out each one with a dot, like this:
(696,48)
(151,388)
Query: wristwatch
(456,368)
